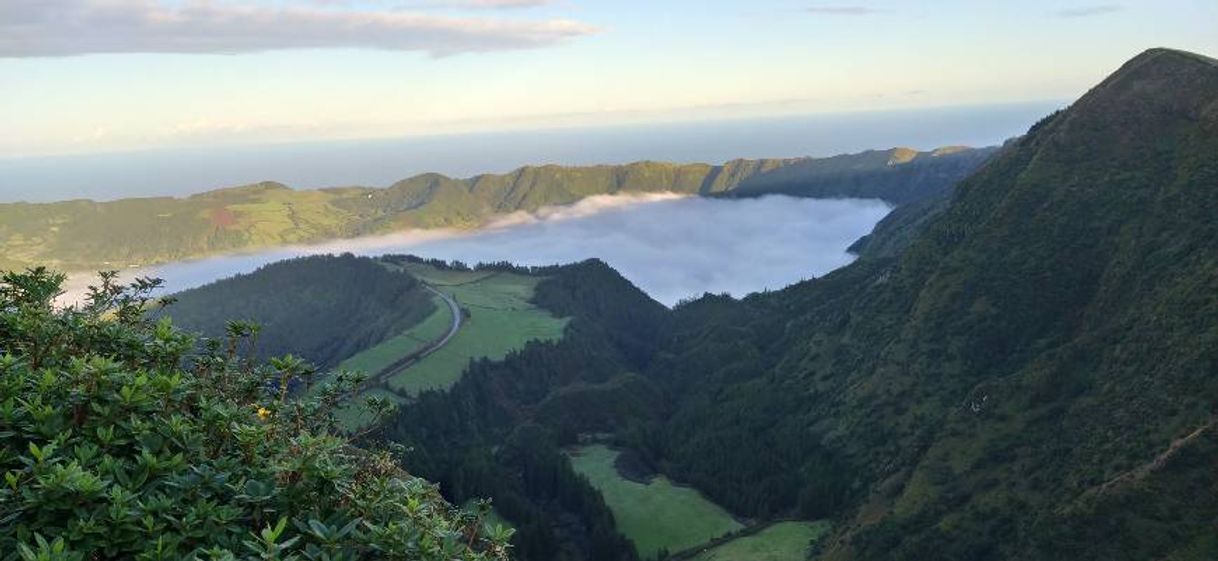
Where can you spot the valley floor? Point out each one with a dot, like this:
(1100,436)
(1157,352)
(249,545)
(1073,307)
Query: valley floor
(497,318)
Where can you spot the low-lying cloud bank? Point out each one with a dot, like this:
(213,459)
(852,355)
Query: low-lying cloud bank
(683,247)
(673,247)
(48,28)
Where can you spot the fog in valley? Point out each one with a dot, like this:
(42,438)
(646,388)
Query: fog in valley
(671,246)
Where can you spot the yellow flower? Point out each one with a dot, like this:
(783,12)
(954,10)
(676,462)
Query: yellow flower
(263,413)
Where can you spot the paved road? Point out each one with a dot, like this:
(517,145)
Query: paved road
(407,361)
(381,378)
(452,330)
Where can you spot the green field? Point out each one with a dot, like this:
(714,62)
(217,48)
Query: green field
(659,515)
(501,319)
(376,358)
(352,415)
(783,541)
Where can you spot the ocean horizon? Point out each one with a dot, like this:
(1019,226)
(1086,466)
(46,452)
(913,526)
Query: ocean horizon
(381,162)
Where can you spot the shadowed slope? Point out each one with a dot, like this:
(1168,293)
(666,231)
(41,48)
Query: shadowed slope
(1055,327)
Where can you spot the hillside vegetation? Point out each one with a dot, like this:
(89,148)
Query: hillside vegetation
(781,541)
(499,431)
(88,235)
(497,317)
(657,516)
(1032,376)
(1022,369)
(323,308)
(111,449)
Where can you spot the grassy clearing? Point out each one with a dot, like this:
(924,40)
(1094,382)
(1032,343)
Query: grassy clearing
(659,515)
(379,357)
(376,358)
(445,277)
(501,319)
(784,541)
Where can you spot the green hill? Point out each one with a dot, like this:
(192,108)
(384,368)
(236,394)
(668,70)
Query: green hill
(322,308)
(88,235)
(898,176)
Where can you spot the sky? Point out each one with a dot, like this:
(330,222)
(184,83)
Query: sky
(98,76)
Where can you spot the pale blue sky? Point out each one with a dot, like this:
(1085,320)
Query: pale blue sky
(136,74)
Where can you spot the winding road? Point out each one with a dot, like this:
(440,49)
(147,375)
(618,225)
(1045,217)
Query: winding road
(381,378)
(452,330)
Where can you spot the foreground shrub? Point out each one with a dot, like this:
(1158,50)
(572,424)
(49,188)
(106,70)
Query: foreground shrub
(119,441)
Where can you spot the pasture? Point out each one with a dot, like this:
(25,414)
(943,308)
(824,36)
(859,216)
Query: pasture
(500,320)
(782,541)
(657,516)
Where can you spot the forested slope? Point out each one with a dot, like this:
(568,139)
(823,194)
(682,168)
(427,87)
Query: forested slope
(1024,368)
(1033,377)
(898,176)
(322,308)
(497,432)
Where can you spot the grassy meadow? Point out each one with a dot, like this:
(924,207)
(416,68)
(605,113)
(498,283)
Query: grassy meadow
(501,319)
(658,515)
(783,541)
(381,356)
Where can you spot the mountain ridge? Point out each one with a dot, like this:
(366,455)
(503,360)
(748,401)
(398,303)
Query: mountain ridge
(83,234)
(1048,330)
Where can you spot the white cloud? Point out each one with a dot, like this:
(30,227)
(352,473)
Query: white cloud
(672,247)
(41,28)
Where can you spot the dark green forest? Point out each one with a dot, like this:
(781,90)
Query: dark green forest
(1023,369)
(481,438)
(1032,377)
(322,308)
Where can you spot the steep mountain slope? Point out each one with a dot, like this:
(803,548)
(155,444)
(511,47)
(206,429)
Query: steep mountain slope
(496,432)
(80,234)
(1034,377)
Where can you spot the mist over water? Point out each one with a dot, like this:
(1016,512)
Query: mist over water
(672,247)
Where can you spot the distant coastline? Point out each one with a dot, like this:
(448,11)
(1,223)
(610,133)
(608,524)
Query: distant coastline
(184,171)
